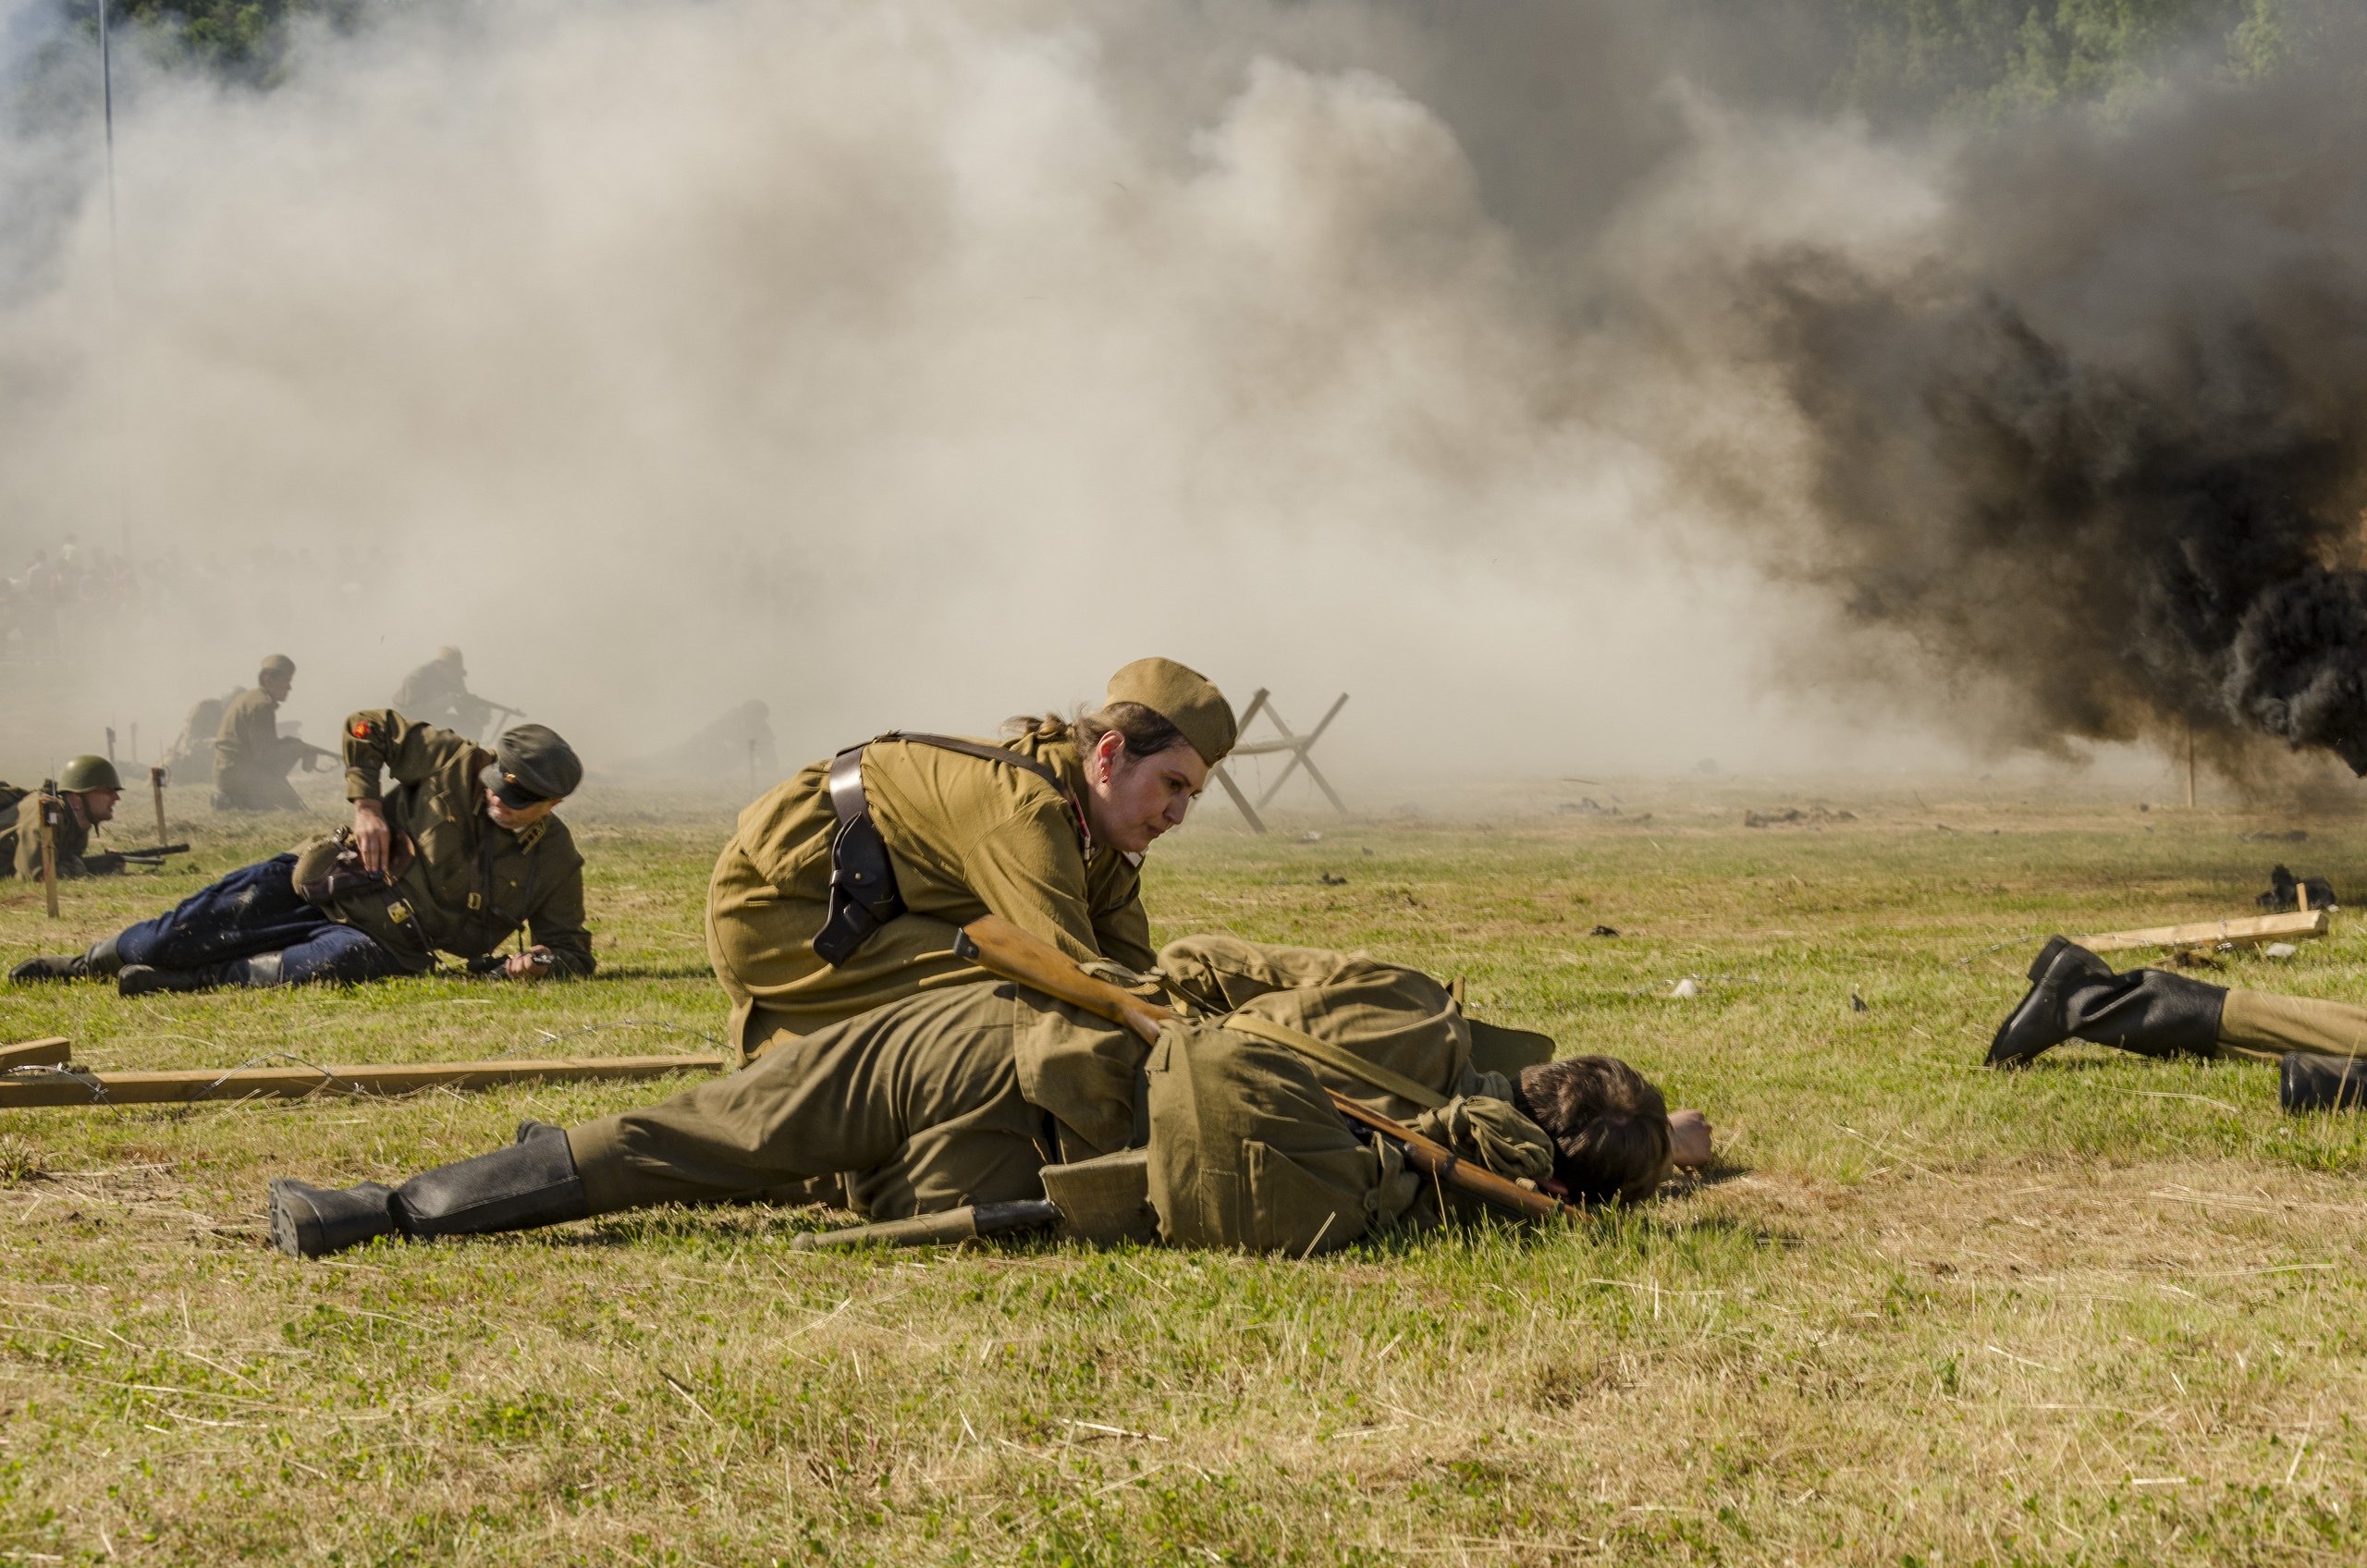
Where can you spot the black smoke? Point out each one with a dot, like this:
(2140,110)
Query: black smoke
(2104,446)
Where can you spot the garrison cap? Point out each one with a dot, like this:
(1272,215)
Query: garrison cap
(278,664)
(88,773)
(532,764)
(1185,698)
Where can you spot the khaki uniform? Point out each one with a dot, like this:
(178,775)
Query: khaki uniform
(2254,1023)
(967,837)
(963,1093)
(21,844)
(473,882)
(250,759)
(436,694)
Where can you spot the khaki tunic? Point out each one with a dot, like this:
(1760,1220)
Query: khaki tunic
(250,759)
(22,842)
(473,882)
(967,837)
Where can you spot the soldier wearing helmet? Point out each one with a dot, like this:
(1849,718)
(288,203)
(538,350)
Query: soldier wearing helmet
(89,789)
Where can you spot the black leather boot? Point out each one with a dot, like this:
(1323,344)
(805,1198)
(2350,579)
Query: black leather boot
(51,966)
(531,1183)
(2037,1023)
(2075,994)
(103,962)
(142,980)
(2306,1081)
(314,1222)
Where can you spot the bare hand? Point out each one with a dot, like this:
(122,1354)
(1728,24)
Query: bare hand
(1688,1139)
(532,964)
(370,835)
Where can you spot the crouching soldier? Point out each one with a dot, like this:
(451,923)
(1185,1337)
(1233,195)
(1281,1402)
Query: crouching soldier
(465,852)
(986,1094)
(88,789)
(2074,995)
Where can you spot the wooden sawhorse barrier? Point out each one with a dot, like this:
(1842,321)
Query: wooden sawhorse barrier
(1297,745)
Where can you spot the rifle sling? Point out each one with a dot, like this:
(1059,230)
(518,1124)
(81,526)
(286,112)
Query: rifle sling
(1335,1058)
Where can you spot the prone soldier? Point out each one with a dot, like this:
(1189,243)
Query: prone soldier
(89,788)
(465,852)
(991,1093)
(251,757)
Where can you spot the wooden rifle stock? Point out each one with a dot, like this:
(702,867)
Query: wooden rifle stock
(1002,949)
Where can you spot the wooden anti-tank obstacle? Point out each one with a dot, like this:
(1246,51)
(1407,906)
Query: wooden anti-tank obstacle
(1297,745)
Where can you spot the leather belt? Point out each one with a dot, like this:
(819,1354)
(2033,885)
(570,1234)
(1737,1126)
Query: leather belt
(863,895)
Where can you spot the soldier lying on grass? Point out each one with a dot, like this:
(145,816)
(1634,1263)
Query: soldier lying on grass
(2075,994)
(966,1096)
(465,852)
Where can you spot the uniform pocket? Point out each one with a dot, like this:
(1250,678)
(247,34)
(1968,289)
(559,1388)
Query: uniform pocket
(1291,1207)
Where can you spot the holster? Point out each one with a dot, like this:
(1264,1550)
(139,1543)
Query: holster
(330,866)
(863,895)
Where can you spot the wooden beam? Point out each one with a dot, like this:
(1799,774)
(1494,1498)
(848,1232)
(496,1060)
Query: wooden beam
(2251,931)
(1248,812)
(53,1051)
(280,1081)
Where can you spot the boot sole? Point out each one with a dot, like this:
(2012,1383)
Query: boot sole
(287,1231)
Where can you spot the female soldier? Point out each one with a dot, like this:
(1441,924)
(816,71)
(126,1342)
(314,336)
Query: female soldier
(843,888)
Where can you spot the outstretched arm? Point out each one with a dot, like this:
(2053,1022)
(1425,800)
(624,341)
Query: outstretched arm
(1688,1139)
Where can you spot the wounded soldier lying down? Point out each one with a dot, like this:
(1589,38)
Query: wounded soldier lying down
(966,1096)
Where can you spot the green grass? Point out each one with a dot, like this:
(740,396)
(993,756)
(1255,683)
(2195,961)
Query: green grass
(2103,1311)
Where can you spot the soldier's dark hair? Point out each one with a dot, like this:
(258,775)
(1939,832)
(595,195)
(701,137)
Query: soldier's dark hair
(1608,1125)
(1146,731)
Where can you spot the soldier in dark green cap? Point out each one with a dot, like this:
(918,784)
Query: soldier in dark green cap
(465,852)
(89,788)
(843,887)
(251,757)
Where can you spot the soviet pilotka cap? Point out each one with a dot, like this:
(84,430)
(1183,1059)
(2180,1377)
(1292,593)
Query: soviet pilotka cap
(531,764)
(1185,698)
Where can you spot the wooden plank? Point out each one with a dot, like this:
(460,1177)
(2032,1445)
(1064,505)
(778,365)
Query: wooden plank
(53,1051)
(2250,931)
(280,1081)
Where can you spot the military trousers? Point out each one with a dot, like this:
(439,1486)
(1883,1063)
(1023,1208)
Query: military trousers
(918,1104)
(252,912)
(2261,1024)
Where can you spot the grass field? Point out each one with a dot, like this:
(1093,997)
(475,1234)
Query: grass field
(2108,1310)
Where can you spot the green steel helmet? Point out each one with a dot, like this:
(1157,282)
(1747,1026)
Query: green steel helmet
(88,773)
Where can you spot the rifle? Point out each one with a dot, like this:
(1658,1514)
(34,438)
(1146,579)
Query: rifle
(1005,950)
(153,854)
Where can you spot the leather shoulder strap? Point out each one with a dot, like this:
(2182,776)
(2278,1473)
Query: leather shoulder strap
(983,752)
(1337,1058)
(846,785)
(996,754)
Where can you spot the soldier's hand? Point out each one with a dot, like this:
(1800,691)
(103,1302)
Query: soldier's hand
(370,835)
(1688,1139)
(532,964)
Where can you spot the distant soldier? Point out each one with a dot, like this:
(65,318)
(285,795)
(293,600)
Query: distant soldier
(251,757)
(437,692)
(464,852)
(89,788)
(740,739)
(191,752)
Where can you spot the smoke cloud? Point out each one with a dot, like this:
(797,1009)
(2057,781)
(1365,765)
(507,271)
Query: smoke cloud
(1563,382)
